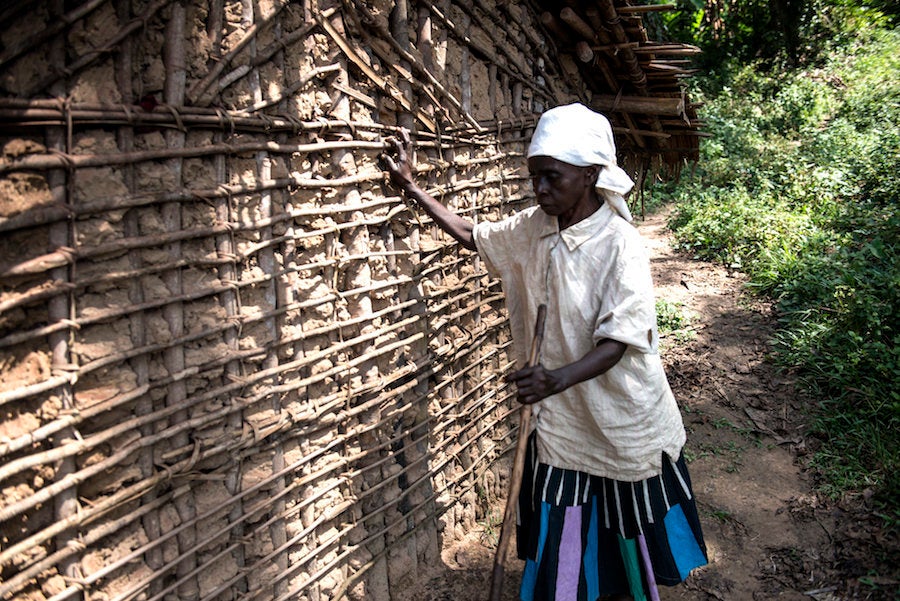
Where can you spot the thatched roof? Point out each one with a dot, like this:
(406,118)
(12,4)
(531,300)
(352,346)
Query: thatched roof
(635,81)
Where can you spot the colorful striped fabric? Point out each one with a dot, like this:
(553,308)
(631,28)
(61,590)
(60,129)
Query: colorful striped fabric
(583,537)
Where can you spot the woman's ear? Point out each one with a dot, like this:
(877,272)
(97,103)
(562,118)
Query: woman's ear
(591,173)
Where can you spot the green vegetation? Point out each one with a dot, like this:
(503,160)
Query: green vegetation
(673,322)
(799,187)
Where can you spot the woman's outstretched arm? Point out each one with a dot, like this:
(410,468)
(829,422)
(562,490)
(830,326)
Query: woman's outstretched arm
(400,171)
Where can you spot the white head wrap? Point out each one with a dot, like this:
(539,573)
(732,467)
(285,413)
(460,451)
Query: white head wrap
(575,134)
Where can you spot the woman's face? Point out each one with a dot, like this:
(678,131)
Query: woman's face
(563,190)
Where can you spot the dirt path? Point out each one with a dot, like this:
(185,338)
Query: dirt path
(767,533)
(765,536)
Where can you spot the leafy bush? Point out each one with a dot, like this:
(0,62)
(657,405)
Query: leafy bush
(800,188)
(737,228)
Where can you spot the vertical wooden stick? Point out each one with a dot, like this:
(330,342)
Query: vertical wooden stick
(61,307)
(138,321)
(282,291)
(358,274)
(465,75)
(173,313)
(230,302)
(515,479)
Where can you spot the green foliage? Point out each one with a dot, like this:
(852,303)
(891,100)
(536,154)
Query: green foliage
(673,322)
(669,316)
(737,228)
(800,188)
(773,33)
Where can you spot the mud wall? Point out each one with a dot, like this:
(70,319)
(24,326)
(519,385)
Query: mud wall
(234,364)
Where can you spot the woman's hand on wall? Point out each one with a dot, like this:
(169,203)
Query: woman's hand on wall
(399,166)
(400,170)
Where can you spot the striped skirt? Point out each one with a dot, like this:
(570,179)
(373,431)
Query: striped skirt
(583,537)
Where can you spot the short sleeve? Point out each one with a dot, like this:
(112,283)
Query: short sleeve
(628,309)
(498,242)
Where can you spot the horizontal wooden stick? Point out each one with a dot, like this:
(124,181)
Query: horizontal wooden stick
(55,112)
(34,162)
(645,8)
(639,104)
(666,49)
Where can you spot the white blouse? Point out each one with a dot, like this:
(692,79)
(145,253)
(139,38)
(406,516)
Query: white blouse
(595,278)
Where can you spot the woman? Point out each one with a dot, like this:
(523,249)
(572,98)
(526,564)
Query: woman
(606,509)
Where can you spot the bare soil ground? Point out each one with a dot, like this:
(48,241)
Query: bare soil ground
(769,534)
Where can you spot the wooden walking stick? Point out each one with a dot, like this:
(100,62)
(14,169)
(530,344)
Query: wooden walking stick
(515,481)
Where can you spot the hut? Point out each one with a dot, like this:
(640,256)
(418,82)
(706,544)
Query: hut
(233,364)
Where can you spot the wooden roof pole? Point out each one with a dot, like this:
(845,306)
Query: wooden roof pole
(635,72)
(614,26)
(594,35)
